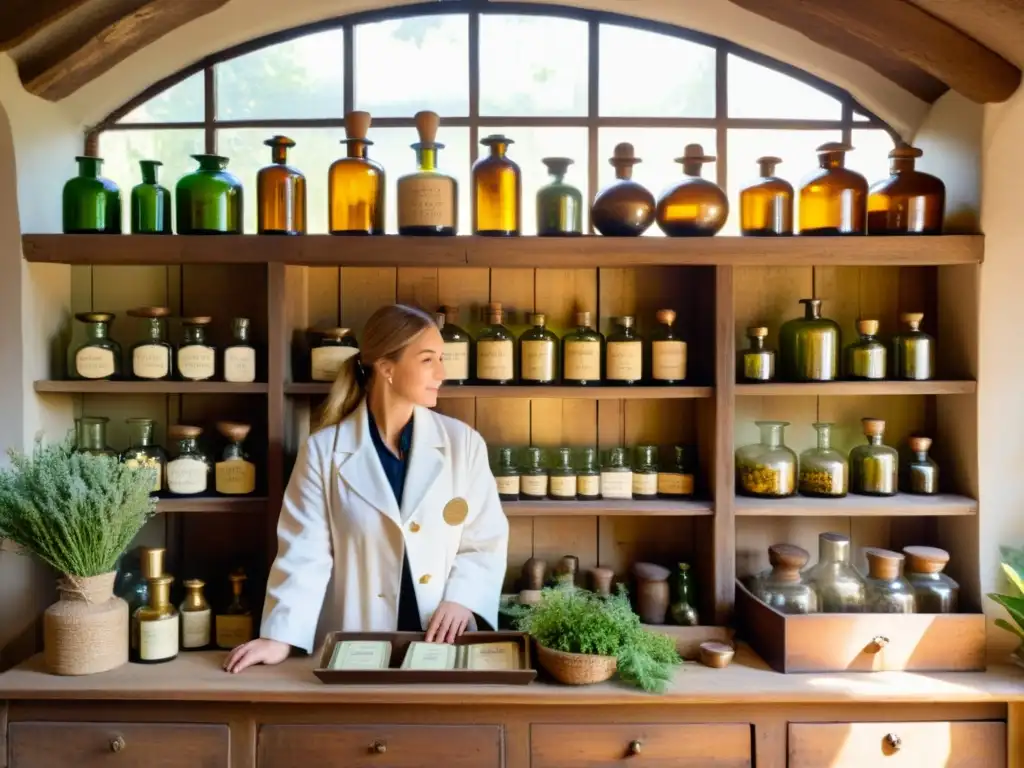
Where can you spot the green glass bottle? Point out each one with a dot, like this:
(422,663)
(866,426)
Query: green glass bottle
(533,477)
(684,610)
(506,475)
(809,346)
(151,203)
(99,356)
(588,476)
(209,200)
(92,204)
(538,353)
(559,205)
(562,477)
(582,354)
(495,350)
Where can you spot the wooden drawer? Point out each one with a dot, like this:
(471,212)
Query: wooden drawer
(380,746)
(679,746)
(897,745)
(118,745)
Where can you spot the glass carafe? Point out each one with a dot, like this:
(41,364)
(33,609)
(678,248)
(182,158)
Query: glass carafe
(559,205)
(91,203)
(457,346)
(784,589)
(695,207)
(683,609)
(840,588)
(280,193)
(757,363)
(909,202)
(766,204)
(92,436)
(497,191)
(934,591)
(208,201)
(624,208)
(234,474)
(99,356)
(809,346)
(151,203)
(887,590)
(874,467)
(866,357)
(582,354)
(142,453)
(767,468)
(427,199)
(913,350)
(920,473)
(355,184)
(668,351)
(538,353)
(833,200)
(153,357)
(824,471)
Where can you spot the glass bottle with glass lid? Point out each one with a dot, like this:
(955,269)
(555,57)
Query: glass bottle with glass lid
(208,201)
(766,204)
(99,356)
(874,467)
(355,184)
(887,590)
(533,477)
(909,202)
(495,350)
(153,357)
(768,468)
(913,350)
(506,475)
(142,453)
(538,353)
(824,471)
(330,351)
(91,203)
(866,357)
(784,589)
(150,203)
(457,345)
(833,199)
(588,476)
(920,473)
(624,354)
(427,199)
(188,473)
(695,207)
(809,346)
(92,436)
(240,354)
(559,205)
(934,591)
(234,474)
(197,359)
(562,477)
(757,363)
(616,476)
(582,354)
(280,193)
(497,191)
(645,472)
(840,588)
(624,208)
(668,351)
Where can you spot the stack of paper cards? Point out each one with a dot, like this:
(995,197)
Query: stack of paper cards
(361,654)
(478,656)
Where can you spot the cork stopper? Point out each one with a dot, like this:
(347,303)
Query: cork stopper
(919,444)
(867,327)
(149,312)
(694,154)
(651,572)
(787,560)
(757,332)
(495,139)
(538,318)
(583,319)
(767,164)
(883,563)
(234,431)
(237,579)
(494,312)
(905,152)
(926,559)
(873,427)
(624,156)
(451,312)
(200,320)
(279,141)
(184,432)
(427,123)
(152,562)
(626,321)
(665,316)
(335,333)
(95,317)
(832,147)
(557,166)
(913,319)
(357,124)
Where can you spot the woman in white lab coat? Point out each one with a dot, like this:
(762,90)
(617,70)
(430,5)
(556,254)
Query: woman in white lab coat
(391,519)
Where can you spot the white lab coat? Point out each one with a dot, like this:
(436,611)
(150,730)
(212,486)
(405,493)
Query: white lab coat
(342,535)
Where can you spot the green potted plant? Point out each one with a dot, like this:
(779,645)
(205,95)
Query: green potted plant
(1013,567)
(584,638)
(78,513)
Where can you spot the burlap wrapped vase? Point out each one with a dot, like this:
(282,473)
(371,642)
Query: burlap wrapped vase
(86,630)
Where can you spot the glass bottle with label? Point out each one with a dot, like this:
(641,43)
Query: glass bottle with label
(196,617)
(91,203)
(920,473)
(280,193)
(757,363)
(99,356)
(333,347)
(909,202)
(784,589)
(839,586)
(865,358)
(645,473)
(151,203)
(240,354)
(151,565)
(142,453)
(235,474)
(588,476)
(809,345)
(824,471)
(234,624)
(506,475)
(457,346)
(582,354)
(676,476)
(538,353)
(152,358)
(624,354)
(766,204)
(616,476)
(695,207)
(427,199)
(767,468)
(356,184)
(887,591)
(668,351)
(562,477)
(188,473)
(833,199)
(874,467)
(934,591)
(92,436)
(533,477)
(683,609)
(497,191)
(159,624)
(624,208)
(495,350)
(559,205)
(208,201)
(913,350)
(197,360)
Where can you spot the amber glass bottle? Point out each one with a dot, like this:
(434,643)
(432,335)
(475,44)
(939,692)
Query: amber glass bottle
(280,193)
(766,204)
(695,207)
(355,184)
(497,191)
(624,208)
(428,200)
(833,199)
(909,202)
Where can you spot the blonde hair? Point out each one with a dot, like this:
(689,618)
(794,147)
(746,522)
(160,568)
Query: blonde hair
(388,332)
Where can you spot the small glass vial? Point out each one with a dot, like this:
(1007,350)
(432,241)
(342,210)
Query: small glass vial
(562,477)
(158,623)
(865,358)
(757,364)
(497,191)
(533,477)
(538,353)
(457,345)
(668,351)
(784,589)
(624,355)
(235,474)
(767,468)
(559,205)
(188,473)
(153,357)
(824,471)
(234,625)
(887,590)
(921,473)
(913,351)
(588,476)
(616,476)
(333,347)
(240,354)
(934,591)
(92,436)
(582,354)
(874,467)
(839,586)
(766,204)
(676,476)
(197,360)
(196,617)
(99,356)
(506,475)
(495,350)
(141,452)
(645,473)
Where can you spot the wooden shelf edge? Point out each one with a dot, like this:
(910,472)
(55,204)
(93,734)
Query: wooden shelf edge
(209,504)
(536,392)
(611,507)
(149,387)
(900,505)
(843,388)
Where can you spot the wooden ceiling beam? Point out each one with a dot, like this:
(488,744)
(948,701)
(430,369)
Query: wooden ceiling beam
(20,19)
(872,31)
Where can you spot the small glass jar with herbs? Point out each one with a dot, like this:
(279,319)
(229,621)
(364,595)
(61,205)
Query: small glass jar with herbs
(768,468)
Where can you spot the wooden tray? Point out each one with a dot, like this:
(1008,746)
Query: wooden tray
(861,642)
(400,644)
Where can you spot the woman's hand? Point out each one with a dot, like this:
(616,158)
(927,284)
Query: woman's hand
(448,622)
(258,651)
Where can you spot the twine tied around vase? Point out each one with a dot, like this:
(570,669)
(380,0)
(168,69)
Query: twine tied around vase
(91,590)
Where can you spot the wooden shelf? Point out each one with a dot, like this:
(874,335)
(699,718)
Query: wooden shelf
(579,252)
(150,387)
(235,504)
(900,505)
(579,393)
(659,508)
(840,388)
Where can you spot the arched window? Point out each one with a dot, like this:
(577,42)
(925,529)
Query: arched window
(558,81)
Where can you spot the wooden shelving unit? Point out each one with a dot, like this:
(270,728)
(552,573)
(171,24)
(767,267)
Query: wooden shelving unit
(250,505)
(535,393)
(900,505)
(850,388)
(150,388)
(605,508)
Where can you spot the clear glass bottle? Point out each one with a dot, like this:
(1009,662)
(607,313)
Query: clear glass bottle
(934,591)
(645,472)
(151,203)
(197,359)
(92,432)
(909,202)
(188,473)
(99,356)
(913,350)
(538,353)
(767,468)
(676,476)
(833,199)
(240,354)
(196,617)
(824,471)
(506,475)
(495,350)
(624,354)
(874,467)
(683,609)
(624,208)
(151,565)
(457,346)
(142,453)
(280,193)
(766,204)
(588,476)
(533,477)
(234,474)
(91,203)
(562,477)
(582,354)
(757,364)
(356,184)
(920,473)
(887,590)
(668,351)
(840,588)
(234,624)
(866,357)
(784,589)
(428,200)
(158,622)
(559,205)
(208,201)
(809,346)
(497,191)
(616,476)
(330,351)
(695,207)
(152,358)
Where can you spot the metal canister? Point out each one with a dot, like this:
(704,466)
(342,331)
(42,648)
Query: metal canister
(757,363)
(809,346)
(865,358)
(913,351)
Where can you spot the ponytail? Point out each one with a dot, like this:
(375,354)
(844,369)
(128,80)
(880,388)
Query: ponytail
(347,391)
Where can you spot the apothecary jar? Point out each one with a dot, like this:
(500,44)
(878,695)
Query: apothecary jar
(767,468)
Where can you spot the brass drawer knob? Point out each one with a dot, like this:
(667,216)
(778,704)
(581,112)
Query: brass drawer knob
(117,744)
(635,747)
(379,747)
(893,742)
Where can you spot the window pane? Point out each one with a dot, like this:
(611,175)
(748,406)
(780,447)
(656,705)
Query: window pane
(533,144)
(685,75)
(434,47)
(532,65)
(301,78)
(181,103)
(756,91)
(122,150)
(870,155)
(658,148)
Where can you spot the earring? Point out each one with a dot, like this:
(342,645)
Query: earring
(390,382)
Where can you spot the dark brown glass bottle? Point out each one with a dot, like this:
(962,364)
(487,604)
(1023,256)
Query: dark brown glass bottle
(497,191)
(428,200)
(833,199)
(624,208)
(280,193)
(909,202)
(695,207)
(766,204)
(355,184)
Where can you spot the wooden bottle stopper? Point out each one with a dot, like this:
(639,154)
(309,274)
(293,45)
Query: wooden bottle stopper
(693,154)
(665,316)
(451,313)
(149,312)
(623,156)
(757,332)
(601,580)
(426,126)
(357,125)
(906,152)
(787,560)
(873,427)
(767,165)
(94,317)
(833,147)
(234,431)
(926,559)
(534,571)
(883,563)
(583,319)
(202,320)
(913,319)
(867,327)
(184,432)
(919,444)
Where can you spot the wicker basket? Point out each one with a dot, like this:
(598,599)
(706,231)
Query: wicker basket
(576,668)
(86,630)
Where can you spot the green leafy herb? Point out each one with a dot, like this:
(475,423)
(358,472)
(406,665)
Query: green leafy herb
(1013,569)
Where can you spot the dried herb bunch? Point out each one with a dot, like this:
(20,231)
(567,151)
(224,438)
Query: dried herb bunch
(75,511)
